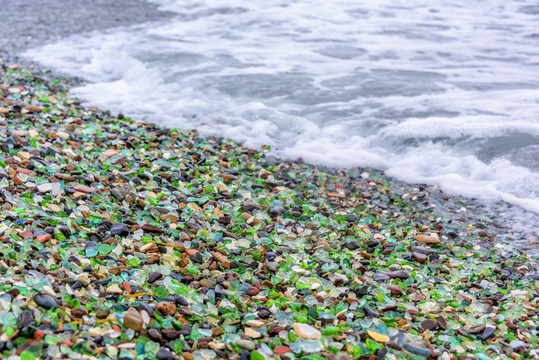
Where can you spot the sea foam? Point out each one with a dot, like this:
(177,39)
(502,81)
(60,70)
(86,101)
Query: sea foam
(436,92)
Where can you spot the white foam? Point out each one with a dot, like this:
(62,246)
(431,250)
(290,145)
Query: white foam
(419,88)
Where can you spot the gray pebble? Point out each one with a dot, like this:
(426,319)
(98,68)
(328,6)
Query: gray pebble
(46,301)
(417,350)
(245,344)
(272,266)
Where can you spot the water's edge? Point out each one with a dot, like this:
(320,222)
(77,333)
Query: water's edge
(502,215)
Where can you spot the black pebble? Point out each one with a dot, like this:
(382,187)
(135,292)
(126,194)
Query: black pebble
(488,332)
(180,300)
(145,307)
(370,312)
(155,335)
(263,314)
(197,258)
(154,276)
(73,259)
(25,318)
(46,301)
(429,324)
(364,290)
(119,229)
(164,354)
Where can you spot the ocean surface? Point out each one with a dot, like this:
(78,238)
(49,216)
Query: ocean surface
(437,92)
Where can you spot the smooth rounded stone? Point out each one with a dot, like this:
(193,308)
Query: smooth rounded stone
(363,290)
(252,291)
(305,331)
(164,354)
(170,335)
(370,312)
(25,318)
(476,329)
(255,323)
(442,323)
(427,239)
(133,320)
(488,332)
(217,331)
(285,249)
(276,210)
(114,289)
(353,245)
(74,259)
(44,187)
(84,189)
(401,274)
(237,251)
(151,228)
(245,355)
(116,270)
(250,205)
(252,333)
(429,324)
(380,277)
(79,312)
(159,209)
(407,256)
(118,195)
(180,300)
(438,280)
(264,313)
(154,276)
(84,280)
(186,330)
(119,229)
(517,344)
(46,301)
(205,283)
(170,216)
(197,258)
(102,313)
(166,307)
(245,344)
(421,258)
(272,266)
(416,350)
(155,335)
(395,290)
(423,250)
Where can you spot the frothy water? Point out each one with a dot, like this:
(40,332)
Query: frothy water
(438,92)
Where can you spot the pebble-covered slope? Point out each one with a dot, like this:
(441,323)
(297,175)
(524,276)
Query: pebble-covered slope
(125,240)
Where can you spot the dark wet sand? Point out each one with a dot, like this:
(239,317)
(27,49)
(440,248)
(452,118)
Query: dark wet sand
(28,23)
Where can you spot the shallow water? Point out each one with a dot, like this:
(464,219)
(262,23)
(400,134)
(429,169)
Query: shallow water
(438,92)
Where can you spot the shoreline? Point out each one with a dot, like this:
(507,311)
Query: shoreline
(203,247)
(22,30)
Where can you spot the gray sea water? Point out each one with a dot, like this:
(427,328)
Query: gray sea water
(437,92)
